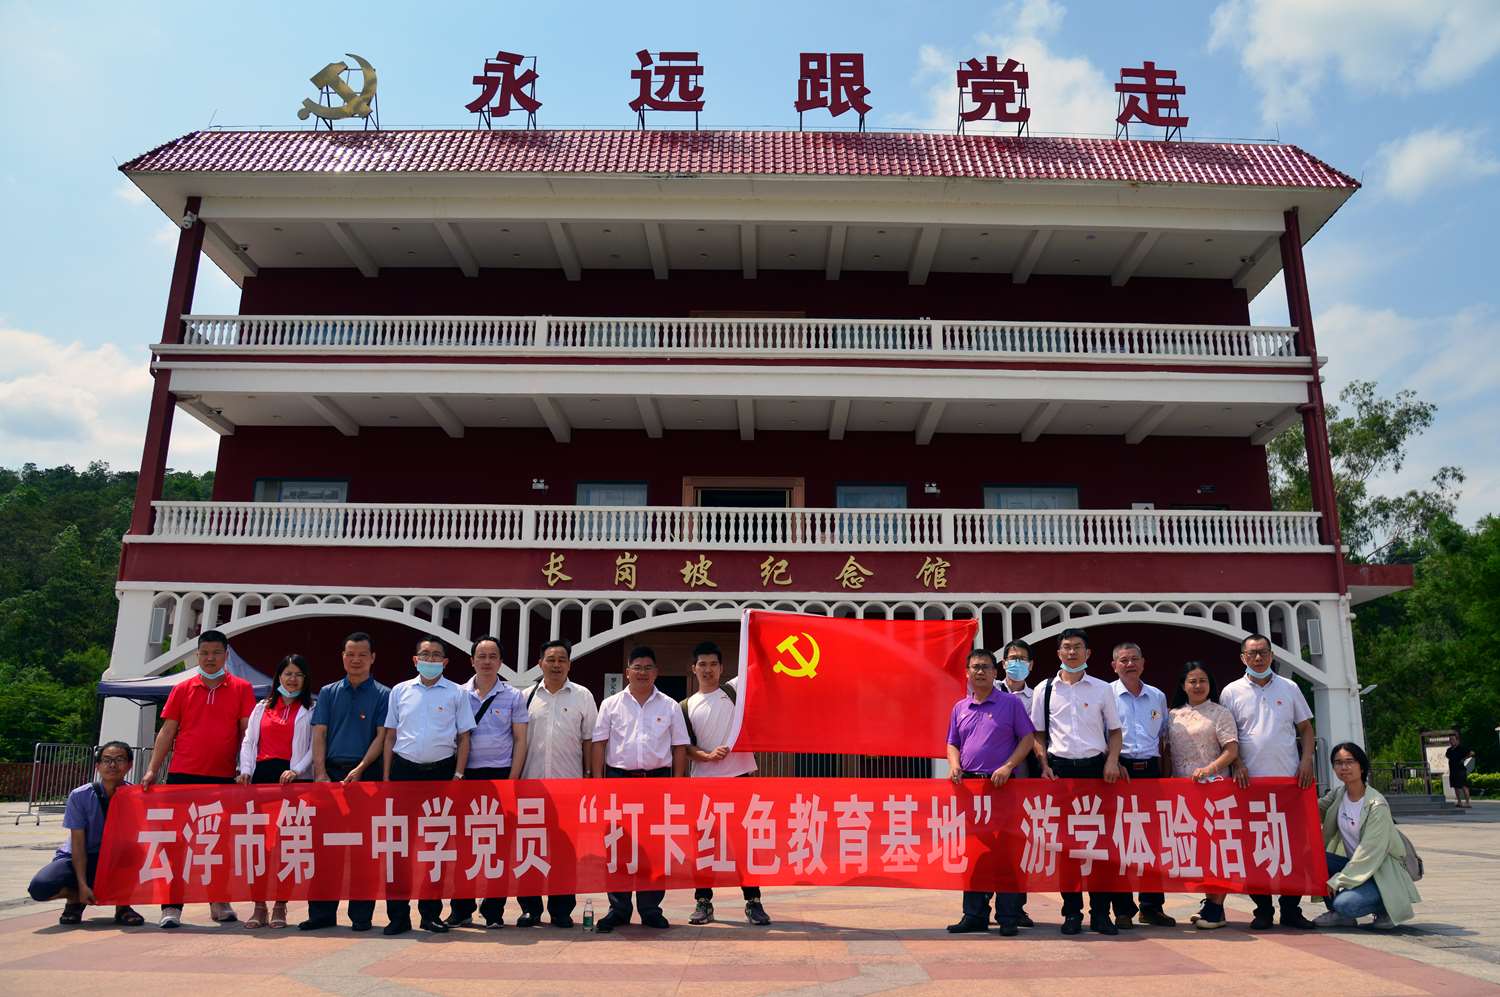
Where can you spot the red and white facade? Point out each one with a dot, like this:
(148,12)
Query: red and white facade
(1008,378)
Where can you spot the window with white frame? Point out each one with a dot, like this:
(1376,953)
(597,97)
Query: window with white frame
(612,493)
(1030,497)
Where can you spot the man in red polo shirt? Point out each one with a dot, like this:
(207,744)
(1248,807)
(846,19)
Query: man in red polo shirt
(202,726)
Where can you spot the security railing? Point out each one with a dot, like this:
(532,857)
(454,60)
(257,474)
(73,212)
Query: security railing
(395,525)
(739,337)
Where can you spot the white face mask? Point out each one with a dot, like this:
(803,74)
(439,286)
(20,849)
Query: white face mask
(1259,675)
(1074,669)
(202,670)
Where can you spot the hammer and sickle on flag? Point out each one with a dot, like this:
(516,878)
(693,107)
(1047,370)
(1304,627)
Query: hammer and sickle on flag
(805,669)
(331,76)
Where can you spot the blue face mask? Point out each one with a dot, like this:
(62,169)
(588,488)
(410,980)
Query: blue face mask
(430,669)
(1074,670)
(1016,669)
(289,694)
(1259,675)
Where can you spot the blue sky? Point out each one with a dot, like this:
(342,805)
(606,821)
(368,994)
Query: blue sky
(1400,95)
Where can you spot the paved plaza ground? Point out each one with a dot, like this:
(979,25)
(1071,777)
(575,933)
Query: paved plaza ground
(824,941)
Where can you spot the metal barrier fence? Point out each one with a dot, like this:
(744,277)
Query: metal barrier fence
(56,770)
(1406,779)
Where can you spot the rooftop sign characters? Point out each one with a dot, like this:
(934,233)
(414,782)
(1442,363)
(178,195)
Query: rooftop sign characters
(989,89)
(500,85)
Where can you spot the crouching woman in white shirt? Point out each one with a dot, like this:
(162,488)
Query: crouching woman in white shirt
(1366,857)
(278,749)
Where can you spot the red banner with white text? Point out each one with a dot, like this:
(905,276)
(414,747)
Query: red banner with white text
(328,841)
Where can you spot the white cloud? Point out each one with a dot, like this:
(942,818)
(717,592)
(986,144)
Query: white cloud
(1411,166)
(130,193)
(67,403)
(1068,95)
(1290,48)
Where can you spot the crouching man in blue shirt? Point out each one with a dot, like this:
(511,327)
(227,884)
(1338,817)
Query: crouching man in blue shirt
(70,874)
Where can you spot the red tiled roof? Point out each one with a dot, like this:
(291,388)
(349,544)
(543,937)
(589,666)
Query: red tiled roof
(741,153)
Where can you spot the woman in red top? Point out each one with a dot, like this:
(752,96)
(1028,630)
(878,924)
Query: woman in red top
(278,748)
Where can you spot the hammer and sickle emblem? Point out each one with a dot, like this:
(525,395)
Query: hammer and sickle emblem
(806,668)
(331,76)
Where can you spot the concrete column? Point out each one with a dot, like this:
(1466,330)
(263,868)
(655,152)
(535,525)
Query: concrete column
(124,720)
(1336,703)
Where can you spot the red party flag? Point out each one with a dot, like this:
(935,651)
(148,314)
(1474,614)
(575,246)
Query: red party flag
(841,686)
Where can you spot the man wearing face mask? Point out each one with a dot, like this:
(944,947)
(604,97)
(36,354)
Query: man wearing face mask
(1276,739)
(1016,658)
(202,726)
(427,728)
(1075,718)
(1143,712)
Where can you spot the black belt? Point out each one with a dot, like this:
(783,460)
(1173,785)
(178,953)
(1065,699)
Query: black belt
(1137,763)
(661,773)
(426,766)
(977,775)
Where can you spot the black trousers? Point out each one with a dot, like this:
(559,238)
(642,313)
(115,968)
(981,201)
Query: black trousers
(1083,768)
(360,911)
(490,908)
(977,902)
(646,901)
(1139,768)
(750,893)
(399,911)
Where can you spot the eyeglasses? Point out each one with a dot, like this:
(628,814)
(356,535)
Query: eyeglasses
(1343,763)
(633,667)
(1257,653)
(114,760)
(981,668)
(430,657)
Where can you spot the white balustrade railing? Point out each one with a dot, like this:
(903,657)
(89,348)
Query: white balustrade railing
(531,335)
(337,524)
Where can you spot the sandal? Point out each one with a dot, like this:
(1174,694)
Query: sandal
(257,918)
(72,913)
(278,915)
(128,916)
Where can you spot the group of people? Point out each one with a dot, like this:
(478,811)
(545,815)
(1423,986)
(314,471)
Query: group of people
(425,728)
(1076,726)
(430,728)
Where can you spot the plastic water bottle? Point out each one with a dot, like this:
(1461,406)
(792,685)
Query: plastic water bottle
(588,914)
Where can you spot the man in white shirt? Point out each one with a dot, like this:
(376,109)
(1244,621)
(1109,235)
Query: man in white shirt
(1015,663)
(1076,721)
(709,713)
(640,733)
(1143,718)
(1276,739)
(559,745)
(427,728)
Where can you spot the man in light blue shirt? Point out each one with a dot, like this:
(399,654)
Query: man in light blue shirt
(497,748)
(427,727)
(1143,714)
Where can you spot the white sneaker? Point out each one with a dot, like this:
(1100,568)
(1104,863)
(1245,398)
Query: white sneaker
(1333,919)
(1383,923)
(171,917)
(222,913)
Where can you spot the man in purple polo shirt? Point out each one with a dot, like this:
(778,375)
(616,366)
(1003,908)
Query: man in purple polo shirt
(989,735)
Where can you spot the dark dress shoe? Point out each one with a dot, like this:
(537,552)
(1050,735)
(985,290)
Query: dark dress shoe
(459,922)
(312,924)
(435,925)
(528,920)
(1296,919)
(1158,918)
(1125,922)
(562,921)
(607,923)
(1072,925)
(1009,930)
(1262,921)
(1103,926)
(1025,921)
(498,922)
(655,920)
(360,926)
(967,925)
(396,928)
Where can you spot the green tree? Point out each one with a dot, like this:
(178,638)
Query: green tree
(1368,437)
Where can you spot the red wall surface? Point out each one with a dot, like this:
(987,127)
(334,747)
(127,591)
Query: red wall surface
(497,465)
(854,295)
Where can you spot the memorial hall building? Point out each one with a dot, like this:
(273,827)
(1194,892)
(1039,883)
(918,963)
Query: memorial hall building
(615,387)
